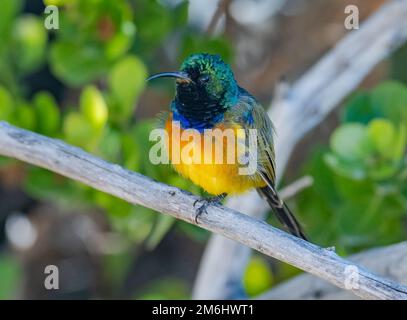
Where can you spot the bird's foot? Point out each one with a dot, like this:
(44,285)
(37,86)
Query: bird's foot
(205,203)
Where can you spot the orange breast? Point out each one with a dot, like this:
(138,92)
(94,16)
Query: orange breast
(213,166)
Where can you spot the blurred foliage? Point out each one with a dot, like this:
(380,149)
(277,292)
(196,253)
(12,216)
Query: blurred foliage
(358,200)
(106,58)
(359,196)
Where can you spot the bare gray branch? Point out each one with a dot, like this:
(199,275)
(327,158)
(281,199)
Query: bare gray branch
(135,188)
(390,262)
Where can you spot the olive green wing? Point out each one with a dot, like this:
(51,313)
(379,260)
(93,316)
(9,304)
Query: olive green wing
(249,114)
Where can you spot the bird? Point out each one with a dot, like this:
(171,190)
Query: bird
(208,97)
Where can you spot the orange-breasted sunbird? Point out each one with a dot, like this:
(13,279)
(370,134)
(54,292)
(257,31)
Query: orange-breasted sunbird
(209,99)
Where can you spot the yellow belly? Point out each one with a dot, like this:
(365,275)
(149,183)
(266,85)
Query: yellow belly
(215,178)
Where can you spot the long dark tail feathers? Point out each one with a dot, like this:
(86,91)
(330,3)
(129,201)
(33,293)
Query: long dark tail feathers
(282,212)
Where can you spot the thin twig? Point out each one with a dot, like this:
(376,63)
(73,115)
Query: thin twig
(220,11)
(296,187)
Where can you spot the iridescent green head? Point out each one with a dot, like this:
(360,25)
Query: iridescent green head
(210,76)
(206,88)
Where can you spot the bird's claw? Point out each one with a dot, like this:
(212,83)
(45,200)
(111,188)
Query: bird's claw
(205,203)
(202,209)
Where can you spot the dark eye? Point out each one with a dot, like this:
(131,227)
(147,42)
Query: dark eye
(204,78)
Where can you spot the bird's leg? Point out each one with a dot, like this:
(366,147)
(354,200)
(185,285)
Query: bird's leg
(206,202)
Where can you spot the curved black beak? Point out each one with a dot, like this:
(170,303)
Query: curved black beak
(179,75)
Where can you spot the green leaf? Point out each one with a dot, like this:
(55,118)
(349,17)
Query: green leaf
(387,100)
(391,98)
(121,41)
(76,63)
(359,109)
(350,141)
(390,144)
(9,10)
(31,39)
(257,277)
(110,145)
(78,130)
(383,134)
(126,81)
(24,116)
(352,169)
(383,170)
(93,107)
(48,115)
(153,23)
